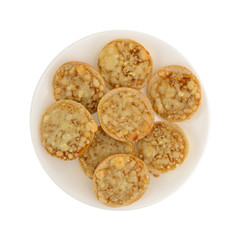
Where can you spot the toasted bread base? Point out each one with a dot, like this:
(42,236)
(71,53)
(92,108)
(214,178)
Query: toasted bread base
(164,148)
(125,114)
(120,180)
(175,93)
(66,129)
(80,82)
(101,147)
(125,63)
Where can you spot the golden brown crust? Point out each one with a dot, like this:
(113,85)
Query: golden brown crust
(175,93)
(125,63)
(120,179)
(80,82)
(101,147)
(125,114)
(66,129)
(164,148)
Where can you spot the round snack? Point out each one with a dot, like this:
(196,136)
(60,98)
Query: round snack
(125,114)
(120,180)
(175,93)
(164,148)
(101,147)
(125,63)
(67,129)
(80,82)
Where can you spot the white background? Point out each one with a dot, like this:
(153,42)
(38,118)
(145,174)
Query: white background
(206,33)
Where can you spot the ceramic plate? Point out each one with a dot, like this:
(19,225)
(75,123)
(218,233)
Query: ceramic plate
(68,175)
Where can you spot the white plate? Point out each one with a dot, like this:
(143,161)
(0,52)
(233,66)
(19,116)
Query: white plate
(68,175)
